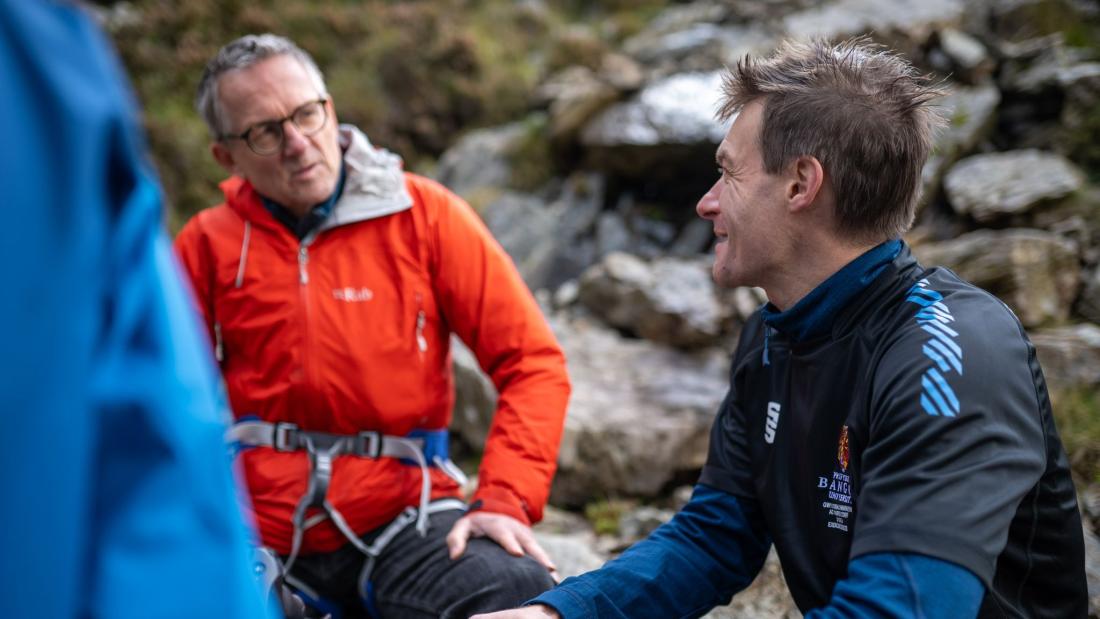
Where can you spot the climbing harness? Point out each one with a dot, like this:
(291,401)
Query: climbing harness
(423,448)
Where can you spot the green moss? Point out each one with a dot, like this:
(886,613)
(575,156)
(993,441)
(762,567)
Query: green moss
(531,157)
(604,515)
(1077,413)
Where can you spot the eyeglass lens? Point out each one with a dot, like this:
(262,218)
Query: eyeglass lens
(267,137)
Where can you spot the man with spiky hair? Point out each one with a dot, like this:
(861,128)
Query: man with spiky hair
(887,426)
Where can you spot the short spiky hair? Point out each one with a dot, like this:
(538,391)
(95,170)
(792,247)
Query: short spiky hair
(861,110)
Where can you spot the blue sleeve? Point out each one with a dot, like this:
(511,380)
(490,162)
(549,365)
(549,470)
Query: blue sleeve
(116,494)
(899,585)
(711,549)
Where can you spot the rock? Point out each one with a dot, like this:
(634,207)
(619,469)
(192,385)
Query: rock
(969,59)
(1088,303)
(766,598)
(638,523)
(567,294)
(1035,272)
(547,240)
(989,187)
(671,300)
(527,228)
(694,237)
(674,110)
(575,95)
(475,397)
(570,542)
(971,114)
(1070,355)
(640,412)
(480,160)
(1092,571)
(915,21)
(612,234)
(621,73)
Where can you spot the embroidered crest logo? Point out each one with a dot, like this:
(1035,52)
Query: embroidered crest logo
(842,449)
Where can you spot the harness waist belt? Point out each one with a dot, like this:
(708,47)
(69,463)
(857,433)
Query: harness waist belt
(421,448)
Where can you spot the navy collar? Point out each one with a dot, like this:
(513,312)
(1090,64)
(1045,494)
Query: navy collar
(814,313)
(317,214)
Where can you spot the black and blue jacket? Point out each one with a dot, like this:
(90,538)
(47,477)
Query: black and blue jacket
(892,435)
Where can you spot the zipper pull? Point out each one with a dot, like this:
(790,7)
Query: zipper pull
(303,259)
(421,341)
(421,319)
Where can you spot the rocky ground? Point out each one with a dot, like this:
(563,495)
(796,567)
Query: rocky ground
(610,242)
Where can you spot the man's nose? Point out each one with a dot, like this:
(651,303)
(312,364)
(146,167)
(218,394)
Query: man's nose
(708,206)
(293,140)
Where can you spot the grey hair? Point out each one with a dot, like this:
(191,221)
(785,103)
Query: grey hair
(242,53)
(860,110)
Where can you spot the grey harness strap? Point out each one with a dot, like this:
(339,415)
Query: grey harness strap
(322,448)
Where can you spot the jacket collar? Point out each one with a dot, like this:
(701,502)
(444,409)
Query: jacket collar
(374,187)
(815,314)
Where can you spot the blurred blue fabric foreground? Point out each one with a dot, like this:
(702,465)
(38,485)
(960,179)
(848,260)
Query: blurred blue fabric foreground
(116,496)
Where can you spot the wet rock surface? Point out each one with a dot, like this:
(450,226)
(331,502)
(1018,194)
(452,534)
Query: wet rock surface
(988,187)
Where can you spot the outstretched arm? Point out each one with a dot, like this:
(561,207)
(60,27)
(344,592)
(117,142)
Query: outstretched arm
(710,550)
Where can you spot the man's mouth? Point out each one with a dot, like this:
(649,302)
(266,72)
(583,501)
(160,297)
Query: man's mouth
(303,171)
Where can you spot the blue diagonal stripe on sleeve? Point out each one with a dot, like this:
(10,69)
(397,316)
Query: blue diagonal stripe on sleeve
(931,391)
(950,356)
(937,397)
(927,404)
(943,337)
(945,389)
(935,356)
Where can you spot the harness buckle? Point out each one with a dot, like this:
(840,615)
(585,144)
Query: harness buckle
(368,444)
(285,436)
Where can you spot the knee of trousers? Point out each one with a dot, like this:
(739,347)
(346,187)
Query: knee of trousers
(519,577)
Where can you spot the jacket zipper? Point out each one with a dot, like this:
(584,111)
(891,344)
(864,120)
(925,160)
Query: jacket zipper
(421,319)
(303,291)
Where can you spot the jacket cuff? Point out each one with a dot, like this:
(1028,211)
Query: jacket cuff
(500,501)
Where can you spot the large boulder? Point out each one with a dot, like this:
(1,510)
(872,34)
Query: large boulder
(970,112)
(475,397)
(1070,355)
(997,185)
(1036,273)
(639,414)
(480,161)
(669,300)
(1088,303)
(678,109)
(906,23)
(548,239)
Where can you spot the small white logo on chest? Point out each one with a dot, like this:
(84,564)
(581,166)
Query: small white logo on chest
(352,295)
(773,422)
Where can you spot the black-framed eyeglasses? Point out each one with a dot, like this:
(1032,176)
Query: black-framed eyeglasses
(266,138)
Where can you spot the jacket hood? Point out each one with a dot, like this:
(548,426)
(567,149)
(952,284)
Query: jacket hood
(375,185)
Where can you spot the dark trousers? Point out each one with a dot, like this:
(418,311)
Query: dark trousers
(414,577)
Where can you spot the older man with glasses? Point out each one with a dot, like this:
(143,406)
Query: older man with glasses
(330,282)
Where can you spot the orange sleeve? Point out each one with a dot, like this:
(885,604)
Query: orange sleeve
(490,308)
(191,247)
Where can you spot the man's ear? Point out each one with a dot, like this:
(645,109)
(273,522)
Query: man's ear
(223,156)
(805,182)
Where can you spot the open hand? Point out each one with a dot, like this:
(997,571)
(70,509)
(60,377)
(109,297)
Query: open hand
(512,535)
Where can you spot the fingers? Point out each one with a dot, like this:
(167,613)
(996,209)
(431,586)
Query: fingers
(457,538)
(504,535)
(532,547)
(512,535)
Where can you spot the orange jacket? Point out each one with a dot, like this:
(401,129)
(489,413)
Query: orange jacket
(350,331)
